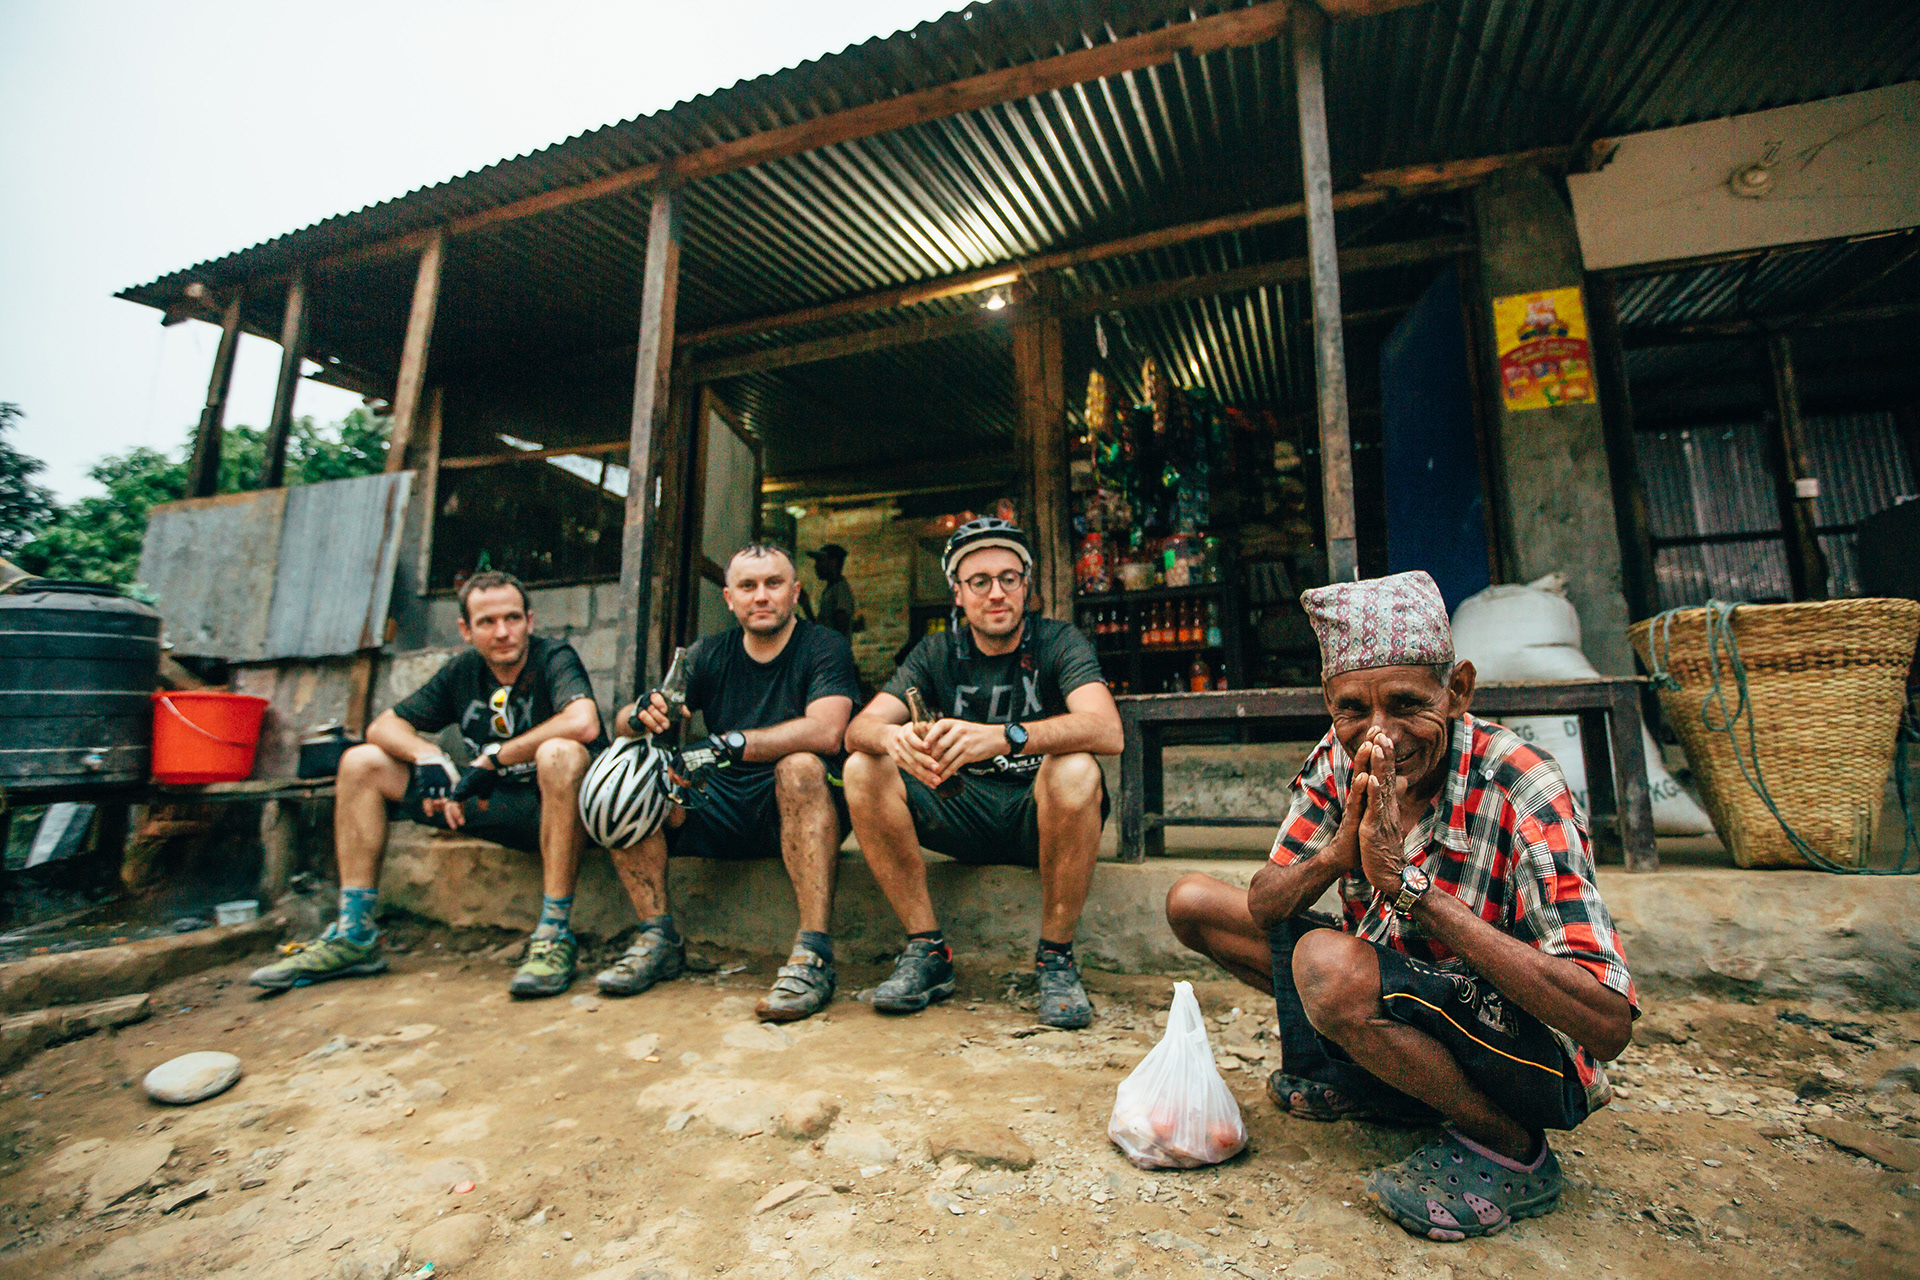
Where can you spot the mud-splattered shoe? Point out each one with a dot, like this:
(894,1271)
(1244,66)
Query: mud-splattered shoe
(332,955)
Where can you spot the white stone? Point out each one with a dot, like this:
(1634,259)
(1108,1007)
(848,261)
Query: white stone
(192,1077)
(860,1144)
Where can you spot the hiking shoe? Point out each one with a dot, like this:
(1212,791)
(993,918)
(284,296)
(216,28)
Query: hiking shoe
(922,975)
(650,959)
(1063,1001)
(802,988)
(332,955)
(548,968)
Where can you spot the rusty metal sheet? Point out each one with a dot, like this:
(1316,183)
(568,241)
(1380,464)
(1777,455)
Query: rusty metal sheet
(339,547)
(210,563)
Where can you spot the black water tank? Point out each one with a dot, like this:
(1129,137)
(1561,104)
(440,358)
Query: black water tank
(77,667)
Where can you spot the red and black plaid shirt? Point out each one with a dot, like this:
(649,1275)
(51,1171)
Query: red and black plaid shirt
(1504,836)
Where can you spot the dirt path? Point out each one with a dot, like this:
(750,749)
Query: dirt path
(632,1140)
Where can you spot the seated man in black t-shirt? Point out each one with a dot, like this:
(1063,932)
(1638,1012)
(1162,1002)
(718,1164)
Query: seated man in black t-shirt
(1022,712)
(776,693)
(525,709)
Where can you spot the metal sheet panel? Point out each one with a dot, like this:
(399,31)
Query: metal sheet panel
(210,562)
(339,547)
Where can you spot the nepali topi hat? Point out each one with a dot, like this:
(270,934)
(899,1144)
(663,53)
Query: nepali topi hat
(1398,620)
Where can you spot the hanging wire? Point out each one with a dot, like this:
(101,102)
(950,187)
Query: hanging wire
(1718,718)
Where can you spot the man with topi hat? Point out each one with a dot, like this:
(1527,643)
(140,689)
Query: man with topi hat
(1474,977)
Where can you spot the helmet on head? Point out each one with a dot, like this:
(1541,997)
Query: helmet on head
(976,535)
(623,798)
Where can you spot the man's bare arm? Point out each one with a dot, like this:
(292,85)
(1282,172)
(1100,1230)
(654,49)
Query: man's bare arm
(820,731)
(401,740)
(578,721)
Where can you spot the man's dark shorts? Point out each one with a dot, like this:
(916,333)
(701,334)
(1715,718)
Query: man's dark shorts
(738,817)
(1506,1051)
(511,816)
(989,824)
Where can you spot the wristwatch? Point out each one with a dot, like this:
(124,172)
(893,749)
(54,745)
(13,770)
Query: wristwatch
(735,743)
(1016,739)
(1414,884)
(489,756)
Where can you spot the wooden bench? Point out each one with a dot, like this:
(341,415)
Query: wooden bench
(281,798)
(1608,709)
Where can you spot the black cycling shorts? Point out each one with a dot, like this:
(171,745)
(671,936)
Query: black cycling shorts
(738,815)
(510,816)
(1506,1051)
(991,823)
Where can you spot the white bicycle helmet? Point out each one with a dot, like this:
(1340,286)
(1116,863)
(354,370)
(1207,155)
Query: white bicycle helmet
(623,798)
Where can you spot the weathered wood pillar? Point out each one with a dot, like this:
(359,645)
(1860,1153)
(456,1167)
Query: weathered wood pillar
(293,340)
(1329,349)
(203,473)
(1806,562)
(674,579)
(652,420)
(1639,578)
(1040,445)
(427,485)
(413,352)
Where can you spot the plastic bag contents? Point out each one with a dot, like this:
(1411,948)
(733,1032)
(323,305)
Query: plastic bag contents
(1174,1111)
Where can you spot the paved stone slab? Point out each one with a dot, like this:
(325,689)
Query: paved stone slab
(981,1143)
(192,1077)
(125,1170)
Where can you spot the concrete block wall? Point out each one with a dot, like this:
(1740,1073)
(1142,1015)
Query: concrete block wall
(880,546)
(585,615)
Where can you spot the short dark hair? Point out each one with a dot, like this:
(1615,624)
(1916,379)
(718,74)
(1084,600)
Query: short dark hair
(757,549)
(487,581)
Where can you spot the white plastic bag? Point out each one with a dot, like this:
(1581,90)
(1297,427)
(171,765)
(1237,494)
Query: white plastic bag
(1532,632)
(1174,1111)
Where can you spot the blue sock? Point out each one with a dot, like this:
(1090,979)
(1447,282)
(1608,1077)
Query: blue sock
(356,914)
(554,913)
(818,943)
(661,924)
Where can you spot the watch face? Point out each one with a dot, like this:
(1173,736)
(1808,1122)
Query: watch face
(1416,879)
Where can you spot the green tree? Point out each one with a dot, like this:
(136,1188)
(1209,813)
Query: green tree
(25,505)
(98,539)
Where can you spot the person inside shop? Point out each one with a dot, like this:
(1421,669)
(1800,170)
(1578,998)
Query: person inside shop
(525,710)
(776,693)
(1005,775)
(1474,977)
(837,608)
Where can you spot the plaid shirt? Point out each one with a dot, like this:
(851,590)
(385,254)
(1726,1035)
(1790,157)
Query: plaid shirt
(1504,837)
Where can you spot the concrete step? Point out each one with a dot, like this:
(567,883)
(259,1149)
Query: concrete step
(1717,929)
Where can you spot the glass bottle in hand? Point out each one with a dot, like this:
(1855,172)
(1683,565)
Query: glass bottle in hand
(917,713)
(673,688)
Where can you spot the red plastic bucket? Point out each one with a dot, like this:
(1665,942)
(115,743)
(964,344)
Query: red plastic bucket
(205,736)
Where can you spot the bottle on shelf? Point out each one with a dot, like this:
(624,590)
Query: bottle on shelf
(1214,638)
(1189,631)
(1199,675)
(1150,629)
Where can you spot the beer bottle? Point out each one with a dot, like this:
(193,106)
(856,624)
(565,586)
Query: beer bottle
(673,689)
(917,713)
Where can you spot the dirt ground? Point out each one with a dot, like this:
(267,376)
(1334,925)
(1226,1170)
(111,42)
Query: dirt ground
(635,1140)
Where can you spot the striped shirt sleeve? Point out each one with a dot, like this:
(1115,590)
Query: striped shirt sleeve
(1313,816)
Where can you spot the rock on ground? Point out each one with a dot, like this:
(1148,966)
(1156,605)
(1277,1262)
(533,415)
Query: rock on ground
(860,1144)
(809,1115)
(451,1242)
(125,1170)
(192,1077)
(981,1144)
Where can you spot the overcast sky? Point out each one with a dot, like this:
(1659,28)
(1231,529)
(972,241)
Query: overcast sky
(138,138)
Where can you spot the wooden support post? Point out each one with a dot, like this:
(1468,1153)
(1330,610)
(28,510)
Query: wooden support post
(293,338)
(1329,348)
(1638,578)
(652,420)
(428,487)
(1041,449)
(1806,562)
(203,473)
(413,352)
(675,577)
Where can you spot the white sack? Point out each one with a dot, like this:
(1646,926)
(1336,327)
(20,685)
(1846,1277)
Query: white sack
(1532,632)
(1174,1111)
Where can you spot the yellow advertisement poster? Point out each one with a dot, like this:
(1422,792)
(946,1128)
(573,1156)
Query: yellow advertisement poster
(1544,356)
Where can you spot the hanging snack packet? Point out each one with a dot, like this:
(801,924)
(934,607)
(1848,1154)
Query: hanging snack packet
(1174,1111)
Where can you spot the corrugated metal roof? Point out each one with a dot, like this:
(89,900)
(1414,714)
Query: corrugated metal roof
(1195,137)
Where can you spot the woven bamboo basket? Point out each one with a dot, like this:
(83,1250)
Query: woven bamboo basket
(1827,685)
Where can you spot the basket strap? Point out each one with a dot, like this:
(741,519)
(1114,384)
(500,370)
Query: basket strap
(1720,636)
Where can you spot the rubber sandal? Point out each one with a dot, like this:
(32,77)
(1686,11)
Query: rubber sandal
(1456,1190)
(1318,1102)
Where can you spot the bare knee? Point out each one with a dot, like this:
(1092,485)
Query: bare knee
(866,776)
(560,763)
(1190,905)
(363,766)
(800,775)
(1338,979)
(1071,781)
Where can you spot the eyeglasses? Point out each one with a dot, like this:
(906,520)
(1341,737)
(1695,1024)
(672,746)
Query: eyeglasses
(981,583)
(502,717)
